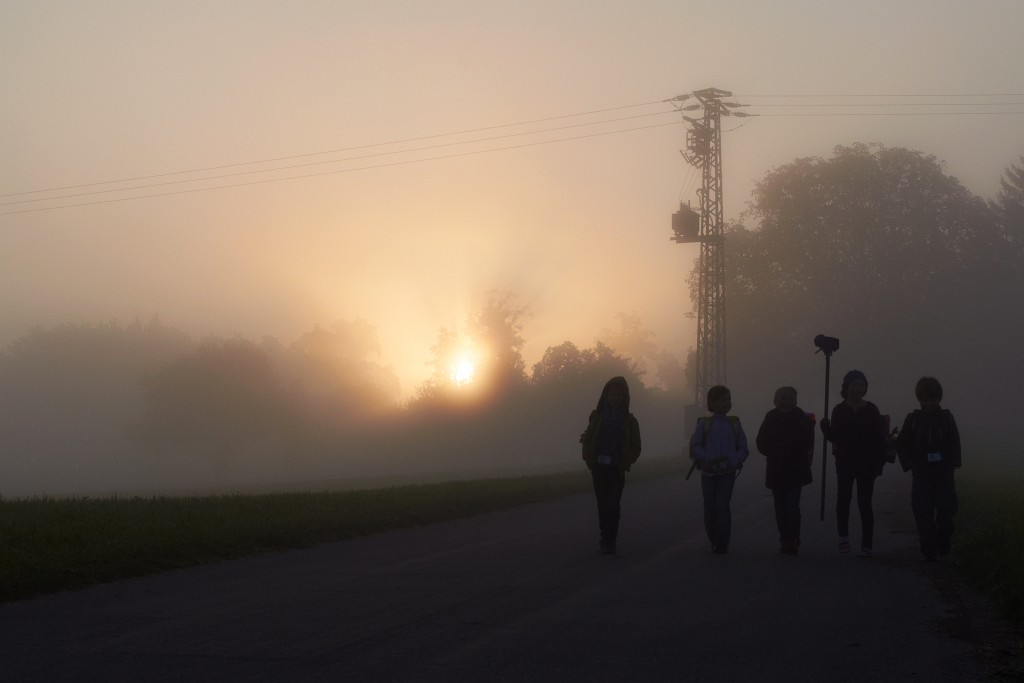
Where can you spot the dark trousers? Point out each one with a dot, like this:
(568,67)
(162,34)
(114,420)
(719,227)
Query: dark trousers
(933,499)
(787,513)
(865,481)
(609,481)
(717,492)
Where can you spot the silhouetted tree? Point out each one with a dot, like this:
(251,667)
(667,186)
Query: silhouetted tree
(442,354)
(671,374)
(68,398)
(567,364)
(223,395)
(81,380)
(497,331)
(493,342)
(876,245)
(871,230)
(632,340)
(1009,204)
(333,371)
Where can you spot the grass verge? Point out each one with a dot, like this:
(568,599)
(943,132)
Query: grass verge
(987,543)
(48,545)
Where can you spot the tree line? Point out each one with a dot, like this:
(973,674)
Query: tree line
(882,248)
(111,407)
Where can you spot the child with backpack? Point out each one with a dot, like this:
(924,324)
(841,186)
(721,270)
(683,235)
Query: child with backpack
(786,439)
(611,444)
(928,446)
(718,448)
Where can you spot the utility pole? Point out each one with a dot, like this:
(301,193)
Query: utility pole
(704,150)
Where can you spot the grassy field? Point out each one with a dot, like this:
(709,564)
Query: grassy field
(48,545)
(987,545)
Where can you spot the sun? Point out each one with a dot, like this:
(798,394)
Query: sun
(463,372)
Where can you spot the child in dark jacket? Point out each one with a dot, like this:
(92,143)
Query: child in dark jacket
(611,444)
(929,447)
(857,432)
(786,439)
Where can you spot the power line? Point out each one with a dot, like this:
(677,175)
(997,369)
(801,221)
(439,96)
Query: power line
(894,113)
(832,105)
(331,151)
(315,163)
(347,170)
(895,104)
(887,95)
(510,125)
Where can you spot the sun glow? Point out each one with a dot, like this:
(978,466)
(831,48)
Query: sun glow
(463,372)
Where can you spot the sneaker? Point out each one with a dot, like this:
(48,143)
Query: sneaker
(865,552)
(719,549)
(607,548)
(844,545)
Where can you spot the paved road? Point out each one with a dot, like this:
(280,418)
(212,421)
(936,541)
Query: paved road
(522,595)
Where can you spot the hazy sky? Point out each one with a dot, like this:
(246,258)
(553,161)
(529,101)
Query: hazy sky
(580,229)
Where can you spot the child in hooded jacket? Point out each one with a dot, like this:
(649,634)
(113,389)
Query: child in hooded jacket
(611,444)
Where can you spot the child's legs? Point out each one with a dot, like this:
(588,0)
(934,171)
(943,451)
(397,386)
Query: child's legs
(865,490)
(793,513)
(844,494)
(709,487)
(721,527)
(608,485)
(922,502)
(787,513)
(945,507)
(778,496)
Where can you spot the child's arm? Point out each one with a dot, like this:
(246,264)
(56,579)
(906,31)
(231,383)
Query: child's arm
(829,429)
(954,440)
(634,440)
(905,443)
(763,439)
(808,438)
(697,452)
(904,439)
(742,451)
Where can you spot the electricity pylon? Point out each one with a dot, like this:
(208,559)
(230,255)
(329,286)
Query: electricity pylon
(704,150)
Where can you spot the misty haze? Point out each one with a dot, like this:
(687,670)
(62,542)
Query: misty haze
(345,246)
(876,245)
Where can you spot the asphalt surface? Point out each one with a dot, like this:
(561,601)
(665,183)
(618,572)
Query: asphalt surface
(524,595)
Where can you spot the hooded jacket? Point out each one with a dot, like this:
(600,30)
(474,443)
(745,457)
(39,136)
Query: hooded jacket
(630,441)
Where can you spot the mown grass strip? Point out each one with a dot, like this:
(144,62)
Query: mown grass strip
(987,545)
(48,545)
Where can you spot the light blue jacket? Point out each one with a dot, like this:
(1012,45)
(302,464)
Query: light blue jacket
(718,445)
